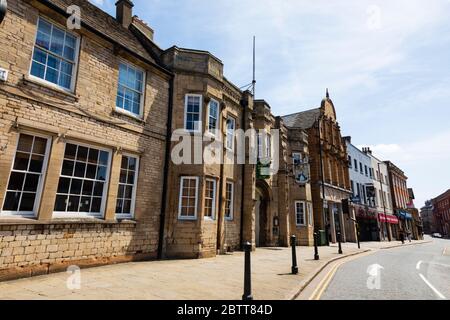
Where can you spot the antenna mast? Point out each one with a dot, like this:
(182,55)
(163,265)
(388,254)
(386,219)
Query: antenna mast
(254,67)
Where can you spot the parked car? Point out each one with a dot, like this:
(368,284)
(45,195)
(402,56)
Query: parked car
(436,235)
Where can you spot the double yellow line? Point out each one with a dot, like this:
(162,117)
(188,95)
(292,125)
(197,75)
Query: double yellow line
(323,285)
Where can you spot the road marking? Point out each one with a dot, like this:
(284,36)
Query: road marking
(440,295)
(418,265)
(323,285)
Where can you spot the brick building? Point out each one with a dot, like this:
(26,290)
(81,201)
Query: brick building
(400,197)
(330,182)
(441,213)
(83,132)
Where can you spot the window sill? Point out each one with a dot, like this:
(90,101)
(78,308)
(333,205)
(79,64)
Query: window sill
(187,219)
(27,80)
(8,220)
(128,115)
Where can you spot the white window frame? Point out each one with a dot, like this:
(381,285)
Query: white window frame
(231,217)
(208,114)
(133,199)
(197,179)
(303,204)
(214,204)
(37,200)
(200,111)
(101,215)
(75,59)
(227,132)
(144,87)
(296,155)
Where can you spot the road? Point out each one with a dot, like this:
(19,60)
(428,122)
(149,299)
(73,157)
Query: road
(418,272)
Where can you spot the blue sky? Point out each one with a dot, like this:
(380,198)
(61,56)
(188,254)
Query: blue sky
(386,64)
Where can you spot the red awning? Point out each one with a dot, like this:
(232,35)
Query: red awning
(390,218)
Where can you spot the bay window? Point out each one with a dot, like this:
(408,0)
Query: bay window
(193,113)
(187,207)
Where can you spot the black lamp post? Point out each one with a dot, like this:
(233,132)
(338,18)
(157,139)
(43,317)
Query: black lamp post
(3,7)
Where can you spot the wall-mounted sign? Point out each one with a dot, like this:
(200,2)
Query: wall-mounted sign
(3,74)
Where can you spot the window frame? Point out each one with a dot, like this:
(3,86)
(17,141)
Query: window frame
(133,199)
(303,203)
(40,188)
(75,59)
(102,214)
(226,133)
(231,216)
(214,200)
(197,182)
(208,114)
(143,93)
(200,112)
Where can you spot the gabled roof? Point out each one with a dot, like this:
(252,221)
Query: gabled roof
(105,24)
(303,120)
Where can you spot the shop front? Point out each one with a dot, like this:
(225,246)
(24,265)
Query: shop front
(391,222)
(368,225)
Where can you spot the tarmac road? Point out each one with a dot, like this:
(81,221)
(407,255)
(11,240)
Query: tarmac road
(419,272)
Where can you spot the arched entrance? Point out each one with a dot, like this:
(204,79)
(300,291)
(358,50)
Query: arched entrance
(262,207)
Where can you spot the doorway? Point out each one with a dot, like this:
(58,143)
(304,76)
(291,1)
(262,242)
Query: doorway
(261,206)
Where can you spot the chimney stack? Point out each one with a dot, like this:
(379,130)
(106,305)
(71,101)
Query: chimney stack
(124,12)
(367,151)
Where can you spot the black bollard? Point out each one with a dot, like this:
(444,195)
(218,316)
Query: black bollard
(339,241)
(294,254)
(247,296)
(316,249)
(357,236)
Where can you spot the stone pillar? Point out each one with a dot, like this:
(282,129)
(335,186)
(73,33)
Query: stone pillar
(50,187)
(332,222)
(110,208)
(6,160)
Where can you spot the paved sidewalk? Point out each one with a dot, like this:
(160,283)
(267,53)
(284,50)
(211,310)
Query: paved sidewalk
(216,278)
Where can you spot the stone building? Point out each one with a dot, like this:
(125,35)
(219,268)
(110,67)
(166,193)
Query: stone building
(91,121)
(441,213)
(283,200)
(400,196)
(83,134)
(330,182)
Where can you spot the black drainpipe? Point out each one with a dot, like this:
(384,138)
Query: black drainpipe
(244,104)
(220,214)
(3,8)
(162,219)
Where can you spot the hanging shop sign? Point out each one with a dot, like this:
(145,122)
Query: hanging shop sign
(388,218)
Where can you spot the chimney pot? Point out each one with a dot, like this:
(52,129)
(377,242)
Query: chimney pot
(124,12)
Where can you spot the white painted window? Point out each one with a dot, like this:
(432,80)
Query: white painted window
(126,195)
(310,214)
(231,126)
(229,201)
(193,113)
(213,116)
(130,92)
(54,55)
(187,208)
(296,158)
(210,199)
(82,186)
(300,213)
(26,177)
